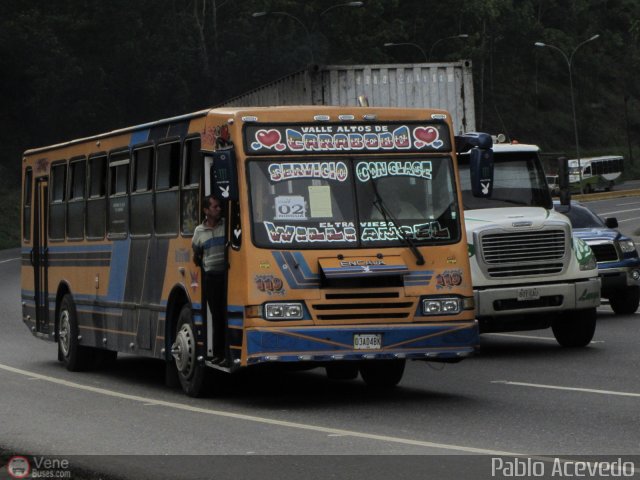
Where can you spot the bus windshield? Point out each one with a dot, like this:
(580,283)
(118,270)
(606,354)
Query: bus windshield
(362,202)
(518,179)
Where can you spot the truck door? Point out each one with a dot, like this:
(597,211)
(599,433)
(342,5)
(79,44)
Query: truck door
(39,255)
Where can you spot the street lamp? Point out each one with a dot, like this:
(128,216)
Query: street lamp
(391,44)
(462,35)
(569,60)
(286,14)
(301,23)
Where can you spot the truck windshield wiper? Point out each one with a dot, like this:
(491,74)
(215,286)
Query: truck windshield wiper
(386,215)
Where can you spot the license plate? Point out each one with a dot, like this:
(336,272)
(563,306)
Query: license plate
(367,341)
(530,293)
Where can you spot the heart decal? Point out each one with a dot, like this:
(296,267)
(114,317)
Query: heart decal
(427,135)
(268,138)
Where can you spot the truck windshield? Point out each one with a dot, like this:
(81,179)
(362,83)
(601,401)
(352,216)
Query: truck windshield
(333,203)
(518,179)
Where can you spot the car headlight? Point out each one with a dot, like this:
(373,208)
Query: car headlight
(627,246)
(441,306)
(283,311)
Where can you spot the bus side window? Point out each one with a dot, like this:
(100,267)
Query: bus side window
(192,171)
(118,200)
(141,192)
(167,188)
(76,202)
(26,204)
(96,203)
(57,189)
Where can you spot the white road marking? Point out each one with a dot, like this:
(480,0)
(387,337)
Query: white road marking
(629,219)
(262,420)
(9,260)
(571,389)
(531,337)
(618,211)
(630,203)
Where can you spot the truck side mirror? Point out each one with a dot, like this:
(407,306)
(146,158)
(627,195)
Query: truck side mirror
(611,222)
(221,178)
(563,181)
(481,169)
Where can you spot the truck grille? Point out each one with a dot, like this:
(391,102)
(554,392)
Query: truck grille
(605,252)
(517,254)
(369,304)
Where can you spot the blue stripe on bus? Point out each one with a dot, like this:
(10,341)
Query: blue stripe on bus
(140,136)
(119,268)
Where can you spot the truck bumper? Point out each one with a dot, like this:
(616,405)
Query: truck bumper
(494,302)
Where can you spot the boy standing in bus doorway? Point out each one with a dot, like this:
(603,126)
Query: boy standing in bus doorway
(209,253)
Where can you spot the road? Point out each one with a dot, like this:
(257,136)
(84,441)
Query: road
(521,395)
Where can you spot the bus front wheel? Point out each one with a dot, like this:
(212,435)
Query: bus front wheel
(382,374)
(192,373)
(74,356)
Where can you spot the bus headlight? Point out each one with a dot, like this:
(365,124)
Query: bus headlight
(441,306)
(283,311)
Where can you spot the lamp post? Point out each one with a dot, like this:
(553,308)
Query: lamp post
(462,35)
(301,23)
(569,60)
(286,14)
(424,54)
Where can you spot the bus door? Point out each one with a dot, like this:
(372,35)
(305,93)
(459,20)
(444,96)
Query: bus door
(40,253)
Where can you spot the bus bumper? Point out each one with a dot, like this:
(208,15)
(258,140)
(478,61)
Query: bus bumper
(439,341)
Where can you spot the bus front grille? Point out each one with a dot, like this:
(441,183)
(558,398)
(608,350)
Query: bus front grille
(363,305)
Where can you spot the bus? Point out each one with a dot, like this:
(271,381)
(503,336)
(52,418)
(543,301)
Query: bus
(595,173)
(345,247)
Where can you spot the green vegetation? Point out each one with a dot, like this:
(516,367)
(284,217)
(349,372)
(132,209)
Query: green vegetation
(10,215)
(73,68)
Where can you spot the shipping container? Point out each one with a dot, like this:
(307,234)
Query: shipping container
(448,86)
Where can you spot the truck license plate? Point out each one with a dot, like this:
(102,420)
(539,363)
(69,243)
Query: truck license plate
(529,293)
(367,341)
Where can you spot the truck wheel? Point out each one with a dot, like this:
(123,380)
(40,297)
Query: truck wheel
(575,328)
(192,374)
(342,371)
(74,356)
(382,374)
(625,302)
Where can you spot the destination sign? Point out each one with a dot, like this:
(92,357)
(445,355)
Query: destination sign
(351,138)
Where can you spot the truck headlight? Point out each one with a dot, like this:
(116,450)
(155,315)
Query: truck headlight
(283,311)
(627,246)
(441,306)
(590,263)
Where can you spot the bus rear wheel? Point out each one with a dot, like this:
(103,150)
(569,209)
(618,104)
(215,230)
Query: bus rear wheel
(192,373)
(575,328)
(74,356)
(382,374)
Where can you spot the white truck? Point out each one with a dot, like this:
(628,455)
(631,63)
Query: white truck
(528,271)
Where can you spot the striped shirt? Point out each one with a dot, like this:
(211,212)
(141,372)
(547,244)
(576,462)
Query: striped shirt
(209,243)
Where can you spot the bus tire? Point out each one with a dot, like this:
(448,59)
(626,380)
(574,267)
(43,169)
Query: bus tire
(75,357)
(342,371)
(382,374)
(575,328)
(625,302)
(192,373)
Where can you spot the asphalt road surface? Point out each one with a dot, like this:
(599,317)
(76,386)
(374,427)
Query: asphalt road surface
(521,395)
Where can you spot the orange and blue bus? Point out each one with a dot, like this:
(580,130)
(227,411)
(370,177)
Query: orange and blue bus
(345,247)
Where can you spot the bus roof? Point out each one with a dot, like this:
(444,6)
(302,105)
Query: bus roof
(515,147)
(401,114)
(593,159)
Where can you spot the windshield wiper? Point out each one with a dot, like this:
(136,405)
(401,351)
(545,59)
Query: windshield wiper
(386,214)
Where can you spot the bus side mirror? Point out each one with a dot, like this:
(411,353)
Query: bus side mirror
(563,181)
(481,170)
(221,179)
